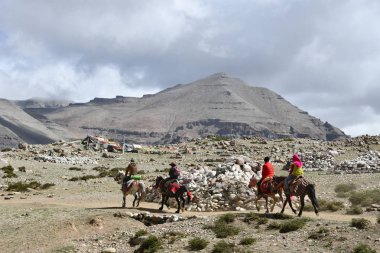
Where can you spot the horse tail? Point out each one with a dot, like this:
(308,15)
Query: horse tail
(312,195)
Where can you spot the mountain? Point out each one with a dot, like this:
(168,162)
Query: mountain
(17,126)
(42,103)
(216,105)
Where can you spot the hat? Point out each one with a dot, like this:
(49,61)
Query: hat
(132,161)
(172,163)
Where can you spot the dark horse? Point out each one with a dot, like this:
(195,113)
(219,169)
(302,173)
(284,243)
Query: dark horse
(301,187)
(167,192)
(276,187)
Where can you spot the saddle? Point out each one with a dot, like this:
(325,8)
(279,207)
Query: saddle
(266,185)
(171,185)
(294,184)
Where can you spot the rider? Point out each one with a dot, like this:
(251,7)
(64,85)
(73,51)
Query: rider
(295,171)
(174,173)
(266,172)
(130,171)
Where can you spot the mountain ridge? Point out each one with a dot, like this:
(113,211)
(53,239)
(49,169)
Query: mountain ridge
(215,105)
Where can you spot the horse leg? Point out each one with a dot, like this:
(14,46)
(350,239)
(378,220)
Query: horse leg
(257,206)
(183,202)
(266,204)
(123,203)
(291,206)
(274,202)
(162,202)
(134,201)
(179,204)
(312,196)
(139,198)
(284,204)
(302,205)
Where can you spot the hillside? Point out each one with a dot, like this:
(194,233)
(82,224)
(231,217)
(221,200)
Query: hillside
(216,105)
(17,126)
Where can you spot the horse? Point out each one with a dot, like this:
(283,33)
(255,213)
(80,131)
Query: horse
(134,187)
(277,186)
(172,189)
(301,187)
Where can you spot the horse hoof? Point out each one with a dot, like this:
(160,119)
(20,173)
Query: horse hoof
(177,211)
(160,208)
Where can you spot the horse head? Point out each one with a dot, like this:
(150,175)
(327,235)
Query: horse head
(158,182)
(253,182)
(119,176)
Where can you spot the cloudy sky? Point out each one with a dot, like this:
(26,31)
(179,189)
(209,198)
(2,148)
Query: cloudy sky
(321,55)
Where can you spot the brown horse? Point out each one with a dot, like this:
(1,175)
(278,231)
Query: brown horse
(276,186)
(166,190)
(301,187)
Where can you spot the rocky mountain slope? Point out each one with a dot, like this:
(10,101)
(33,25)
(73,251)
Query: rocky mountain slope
(216,105)
(17,126)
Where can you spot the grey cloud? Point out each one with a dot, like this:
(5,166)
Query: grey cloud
(323,56)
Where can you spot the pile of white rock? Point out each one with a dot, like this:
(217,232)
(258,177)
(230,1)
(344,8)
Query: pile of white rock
(224,187)
(318,161)
(66,160)
(367,163)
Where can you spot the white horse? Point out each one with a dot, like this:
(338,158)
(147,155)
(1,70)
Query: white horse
(135,187)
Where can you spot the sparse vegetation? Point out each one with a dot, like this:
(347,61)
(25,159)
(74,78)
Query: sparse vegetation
(281,216)
(22,187)
(378,219)
(6,149)
(365,198)
(150,245)
(247,241)
(344,188)
(249,217)
(360,223)
(292,225)
(84,178)
(227,218)
(274,225)
(75,168)
(9,171)
(172,236)
(332,205)
(355,210)
(222,229)
(223,247)
(197,243)
(363,248)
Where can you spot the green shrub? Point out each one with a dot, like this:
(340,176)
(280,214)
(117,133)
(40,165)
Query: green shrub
(378,219)
(248,241)
(75,168)
(84,178)
(333,206)
(6,149)
(281,216)
(197,243)
(9,171)
(227,218)
(223,230)
(150,245)
(141,232)
(22,187)
(251,217)
(223,247)
(360,223)
(343,195)
(292,225)
(355,210)
(46,186)
(365,198)
(274,225)
(344,188)
(262,220)
(363,248)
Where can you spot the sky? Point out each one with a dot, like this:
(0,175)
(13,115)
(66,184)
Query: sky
(321,55)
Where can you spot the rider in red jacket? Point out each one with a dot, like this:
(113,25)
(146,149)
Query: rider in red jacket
(266,172)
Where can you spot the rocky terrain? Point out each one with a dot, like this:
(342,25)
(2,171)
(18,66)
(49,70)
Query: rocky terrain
(62,197)
(216,105)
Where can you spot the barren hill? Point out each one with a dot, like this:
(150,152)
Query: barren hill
(17,126)
(216,105)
